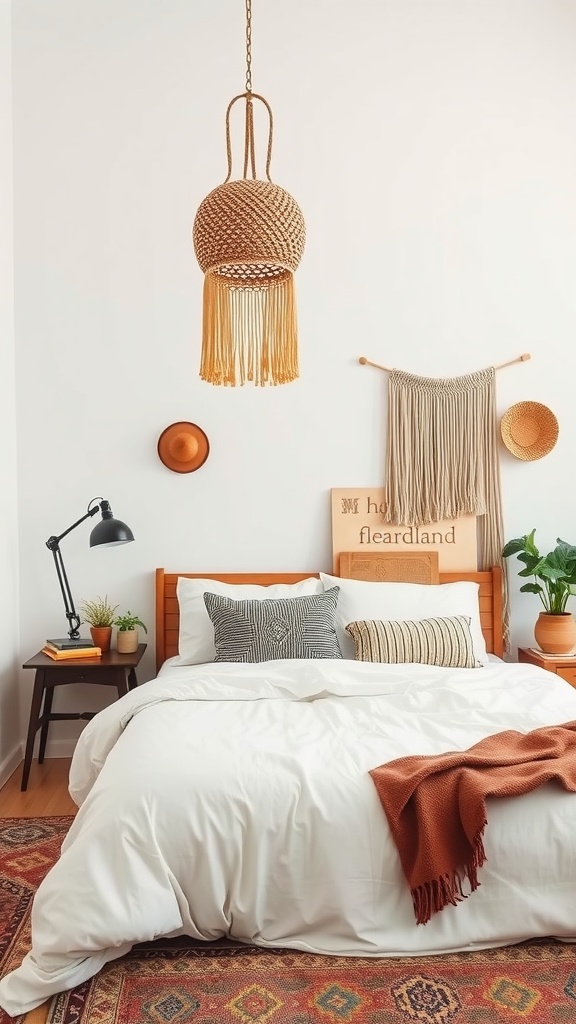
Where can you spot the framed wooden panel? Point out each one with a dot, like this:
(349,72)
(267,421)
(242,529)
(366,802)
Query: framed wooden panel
(358,525)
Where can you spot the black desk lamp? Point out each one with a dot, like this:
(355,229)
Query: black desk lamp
(108,533)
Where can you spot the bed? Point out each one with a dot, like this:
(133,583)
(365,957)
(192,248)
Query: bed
(234,799)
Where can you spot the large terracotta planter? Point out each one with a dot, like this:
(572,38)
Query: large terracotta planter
(101,637)
(555,634)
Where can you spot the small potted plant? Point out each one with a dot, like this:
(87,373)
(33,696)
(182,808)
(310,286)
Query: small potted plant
(554,577)
(127,635)
(99,614)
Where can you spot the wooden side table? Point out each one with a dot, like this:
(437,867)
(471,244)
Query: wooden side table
(111,669)
(564,667)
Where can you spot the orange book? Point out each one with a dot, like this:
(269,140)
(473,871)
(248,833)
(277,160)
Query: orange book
(82,652)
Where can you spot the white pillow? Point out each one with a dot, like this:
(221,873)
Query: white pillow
(361,600)
(196,637)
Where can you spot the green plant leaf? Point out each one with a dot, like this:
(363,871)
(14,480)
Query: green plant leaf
(530,544)
(530,561)
(531,588)
(514,546)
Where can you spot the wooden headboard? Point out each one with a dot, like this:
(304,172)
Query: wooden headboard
(167,613)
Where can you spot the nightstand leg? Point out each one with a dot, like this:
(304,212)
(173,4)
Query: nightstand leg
(48,695)
(35,708)
(121,682)
(132,680)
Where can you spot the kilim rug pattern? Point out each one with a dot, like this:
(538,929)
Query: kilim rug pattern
(28,849)
(533,983)
(179,982)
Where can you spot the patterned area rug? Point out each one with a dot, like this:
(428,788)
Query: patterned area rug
(180,982)
(28,848)
(533,983)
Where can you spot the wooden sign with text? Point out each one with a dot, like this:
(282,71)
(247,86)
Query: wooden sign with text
(358,525)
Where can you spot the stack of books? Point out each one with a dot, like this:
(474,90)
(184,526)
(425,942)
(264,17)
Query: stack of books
(552,657)
(64,647)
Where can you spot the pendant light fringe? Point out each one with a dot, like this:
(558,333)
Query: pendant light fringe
(249,332)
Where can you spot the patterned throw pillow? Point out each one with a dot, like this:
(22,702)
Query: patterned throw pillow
(445,642)
(267,630)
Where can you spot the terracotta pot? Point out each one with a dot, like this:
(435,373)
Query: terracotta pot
(555,634)
(101,637)
(127,641)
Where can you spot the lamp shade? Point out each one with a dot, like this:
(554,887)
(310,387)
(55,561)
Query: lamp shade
(249,232)
(110,531)
(249,237)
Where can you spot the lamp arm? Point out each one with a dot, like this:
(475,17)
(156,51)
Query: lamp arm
(71,613)
(53,543)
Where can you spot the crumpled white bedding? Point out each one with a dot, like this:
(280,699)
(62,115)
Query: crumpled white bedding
(235,800)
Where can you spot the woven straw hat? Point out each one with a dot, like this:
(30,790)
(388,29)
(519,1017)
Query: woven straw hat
(529,430)
(183,447)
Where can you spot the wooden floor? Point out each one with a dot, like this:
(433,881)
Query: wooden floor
(47,791)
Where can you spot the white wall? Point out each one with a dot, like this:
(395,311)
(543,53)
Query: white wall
(431,146)
(9,694)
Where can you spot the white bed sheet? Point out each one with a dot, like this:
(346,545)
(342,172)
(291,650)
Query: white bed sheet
(235,800)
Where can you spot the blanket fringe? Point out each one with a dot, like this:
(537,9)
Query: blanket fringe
(433,896)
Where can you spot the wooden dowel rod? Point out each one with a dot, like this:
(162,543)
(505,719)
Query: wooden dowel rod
(368,362)
(519,359)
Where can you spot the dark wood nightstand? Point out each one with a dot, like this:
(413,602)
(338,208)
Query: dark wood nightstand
(111,669)
(564,667)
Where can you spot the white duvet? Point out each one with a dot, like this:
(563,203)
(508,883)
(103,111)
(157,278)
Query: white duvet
(235,800)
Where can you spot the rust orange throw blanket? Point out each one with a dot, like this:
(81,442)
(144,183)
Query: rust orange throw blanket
(436,805)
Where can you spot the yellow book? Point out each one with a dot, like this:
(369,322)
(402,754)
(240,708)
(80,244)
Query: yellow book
(82,652)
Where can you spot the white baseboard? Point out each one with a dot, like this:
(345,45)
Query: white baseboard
(59,748)
(56,748)
(10,763)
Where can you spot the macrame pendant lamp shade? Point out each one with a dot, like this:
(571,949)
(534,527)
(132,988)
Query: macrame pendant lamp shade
(249,237)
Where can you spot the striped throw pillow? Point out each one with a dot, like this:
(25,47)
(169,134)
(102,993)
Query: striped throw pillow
(445,642)
(270,629)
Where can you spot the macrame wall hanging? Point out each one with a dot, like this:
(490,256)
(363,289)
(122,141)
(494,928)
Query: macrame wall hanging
(442,457)
(249,237)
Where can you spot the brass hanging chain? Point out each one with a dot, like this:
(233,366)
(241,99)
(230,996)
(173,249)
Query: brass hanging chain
(249,97)
(249,151)
(248,45)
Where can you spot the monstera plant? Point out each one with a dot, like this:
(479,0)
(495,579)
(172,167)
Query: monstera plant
(554,580)
(554,574)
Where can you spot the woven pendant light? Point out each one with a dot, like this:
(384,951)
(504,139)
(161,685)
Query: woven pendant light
(249,237)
